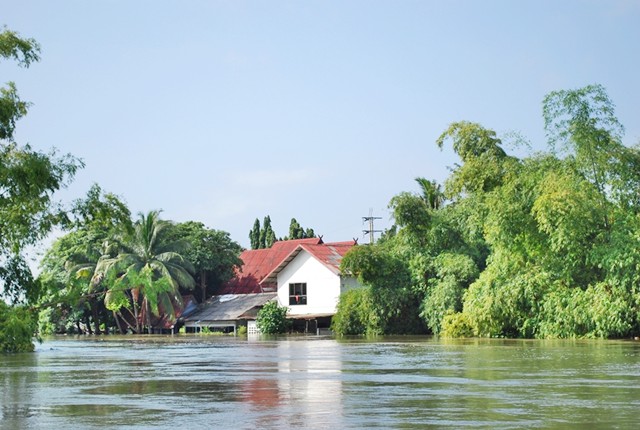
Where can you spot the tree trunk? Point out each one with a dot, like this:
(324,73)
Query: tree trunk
(203,285)
(147,311)
(87,323)
(115,317)
(135,294)
(94,315)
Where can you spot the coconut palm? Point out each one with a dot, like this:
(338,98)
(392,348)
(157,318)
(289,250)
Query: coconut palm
(431,193)
(146,278)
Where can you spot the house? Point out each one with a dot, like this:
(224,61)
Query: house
(303,275)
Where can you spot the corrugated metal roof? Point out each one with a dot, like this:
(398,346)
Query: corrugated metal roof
(228,307)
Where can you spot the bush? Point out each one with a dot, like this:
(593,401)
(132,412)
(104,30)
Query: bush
(17,329)
(354,314)
(457,325)
(272,319)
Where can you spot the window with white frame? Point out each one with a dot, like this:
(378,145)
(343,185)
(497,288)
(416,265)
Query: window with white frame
(298,293)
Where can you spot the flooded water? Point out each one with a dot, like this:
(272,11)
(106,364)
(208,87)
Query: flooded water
(205,382)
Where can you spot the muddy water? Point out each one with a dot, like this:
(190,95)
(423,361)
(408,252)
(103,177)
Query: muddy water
(204,382)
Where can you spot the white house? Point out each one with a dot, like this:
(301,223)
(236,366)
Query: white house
(304,274)
(309,281)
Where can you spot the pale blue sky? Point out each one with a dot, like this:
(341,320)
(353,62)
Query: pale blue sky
(224,111)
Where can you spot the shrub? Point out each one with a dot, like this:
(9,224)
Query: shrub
(272,319)
(17,328)
(457,325)
(354,314)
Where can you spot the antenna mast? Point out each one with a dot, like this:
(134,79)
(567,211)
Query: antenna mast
(371,230)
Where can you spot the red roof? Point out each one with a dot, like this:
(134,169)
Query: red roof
(329,254)
(257,263)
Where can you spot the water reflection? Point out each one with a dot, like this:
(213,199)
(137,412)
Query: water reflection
(310,382)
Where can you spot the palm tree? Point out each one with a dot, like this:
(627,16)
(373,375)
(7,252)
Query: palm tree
(146,278)
(431,193)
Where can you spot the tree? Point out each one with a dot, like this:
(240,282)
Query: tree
(68,267)
(296,231)
(254,235)
(28,180)
(391,305)
(212,252)
(582,123)
(145,280)
(431,193)
(562,228)
(267,235)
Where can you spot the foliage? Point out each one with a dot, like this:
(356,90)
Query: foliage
(454,273)
(267,236)
(355,314)
(68,267)
(264,237)
(28,180)
(456,325)
(297,232)
(148,275)
(394,304)
(272,319)
(212,252)
(563,232)
(254,235)
(547,245)
(17,328)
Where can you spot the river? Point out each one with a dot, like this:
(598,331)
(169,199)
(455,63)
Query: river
(220,382)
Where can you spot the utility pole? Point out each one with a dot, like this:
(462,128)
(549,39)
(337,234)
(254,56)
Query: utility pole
(371,230)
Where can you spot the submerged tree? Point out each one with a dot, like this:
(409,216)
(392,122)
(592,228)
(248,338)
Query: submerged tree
(146,278)
(68,267)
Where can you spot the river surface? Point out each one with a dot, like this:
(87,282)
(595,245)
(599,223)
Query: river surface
(215,382)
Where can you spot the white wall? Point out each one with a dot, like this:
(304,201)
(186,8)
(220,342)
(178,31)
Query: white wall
(323,286)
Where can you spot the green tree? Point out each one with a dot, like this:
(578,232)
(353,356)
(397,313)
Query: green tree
(395,305)
(68,267)
(267,233)
(356,314)
(17,328)
(254,235)
(212,252)
(28,180)
(145,280)
(296,231)
(562,228)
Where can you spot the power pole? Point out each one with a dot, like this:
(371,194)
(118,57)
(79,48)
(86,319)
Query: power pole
(371,230)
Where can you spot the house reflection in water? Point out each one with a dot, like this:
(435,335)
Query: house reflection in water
(304,391)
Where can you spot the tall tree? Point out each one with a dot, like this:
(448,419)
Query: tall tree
(254,235)
(147,277)
(28,180)
(68,267)
(269,234)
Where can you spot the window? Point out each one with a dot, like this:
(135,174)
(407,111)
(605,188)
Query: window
(298,294)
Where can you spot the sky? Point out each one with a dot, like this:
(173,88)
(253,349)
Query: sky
(227,111)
